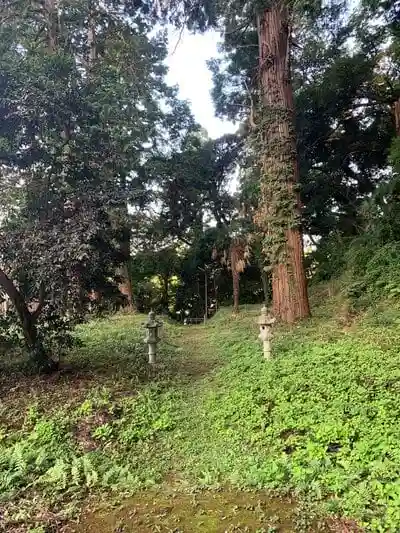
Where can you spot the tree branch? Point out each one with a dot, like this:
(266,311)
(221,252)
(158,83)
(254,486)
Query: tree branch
(21,307)
(184,240)
(42,299)
(13,294)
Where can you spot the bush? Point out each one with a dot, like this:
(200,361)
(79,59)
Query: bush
(373,274)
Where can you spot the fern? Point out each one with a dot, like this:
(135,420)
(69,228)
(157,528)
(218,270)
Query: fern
(9,480)
(18,460)
(58,475)
(90,472)
(76,475)
(41,459)
(4,458)
(111,476)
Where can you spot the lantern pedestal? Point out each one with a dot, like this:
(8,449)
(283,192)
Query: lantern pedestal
(152,336)
(265,322)
(152,353)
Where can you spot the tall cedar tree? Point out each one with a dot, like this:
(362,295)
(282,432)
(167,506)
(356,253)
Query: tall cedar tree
(280,167)
(279,206)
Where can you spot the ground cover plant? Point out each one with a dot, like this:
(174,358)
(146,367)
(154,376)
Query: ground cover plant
(91,426)
(319,422)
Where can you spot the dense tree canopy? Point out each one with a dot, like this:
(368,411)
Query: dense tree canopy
(109,183)
(82,96)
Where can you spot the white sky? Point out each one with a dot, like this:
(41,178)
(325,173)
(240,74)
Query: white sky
(187,62)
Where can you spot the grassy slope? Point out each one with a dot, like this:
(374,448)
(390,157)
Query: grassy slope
(92,428)
(320,419)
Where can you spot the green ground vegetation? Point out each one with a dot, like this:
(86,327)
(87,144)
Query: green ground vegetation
(320,421)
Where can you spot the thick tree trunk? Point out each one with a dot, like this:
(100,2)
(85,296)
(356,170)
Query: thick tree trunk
(28,322)
(125,287)
(279,210)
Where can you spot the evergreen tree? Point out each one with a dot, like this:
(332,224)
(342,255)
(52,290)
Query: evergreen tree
(81,89)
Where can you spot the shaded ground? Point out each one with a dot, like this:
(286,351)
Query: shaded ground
(204,512)
(112,356)
(320,421)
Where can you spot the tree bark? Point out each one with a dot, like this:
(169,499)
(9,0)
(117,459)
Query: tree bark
(280,201)
(26,318)
(52,24)
(235,279)
(216,293)
(396,110)
(236,286)
(28,322)
(126,286)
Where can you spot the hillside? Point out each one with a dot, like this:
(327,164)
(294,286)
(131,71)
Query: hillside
(318,426)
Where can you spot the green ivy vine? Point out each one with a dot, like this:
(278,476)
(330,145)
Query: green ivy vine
(273,141)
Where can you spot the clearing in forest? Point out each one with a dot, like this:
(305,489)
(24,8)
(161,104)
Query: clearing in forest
(214,438)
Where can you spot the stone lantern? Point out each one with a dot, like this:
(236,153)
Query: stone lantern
(152,326)
(265,321)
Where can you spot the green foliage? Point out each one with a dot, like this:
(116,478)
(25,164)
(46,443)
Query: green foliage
(147,416)
(368,265)
(74,151)
(373,274)
(108,438)
(154,274)
(199,219)
(328,260)
(35,452)
(277,210)
(321,419)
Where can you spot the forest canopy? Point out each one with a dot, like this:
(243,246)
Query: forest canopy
(113,196)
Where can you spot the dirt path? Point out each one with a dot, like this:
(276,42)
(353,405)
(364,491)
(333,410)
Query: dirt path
(172,507)
(168,510)
(198,358)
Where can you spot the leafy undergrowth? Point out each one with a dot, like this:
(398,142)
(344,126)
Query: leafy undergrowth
(321,420)
(94,427)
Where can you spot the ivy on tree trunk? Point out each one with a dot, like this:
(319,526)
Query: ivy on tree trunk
(279,206)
